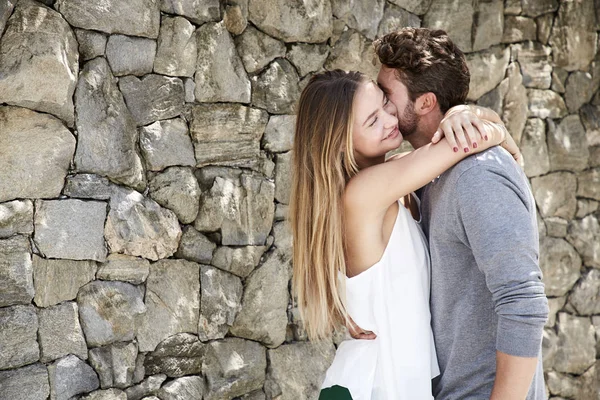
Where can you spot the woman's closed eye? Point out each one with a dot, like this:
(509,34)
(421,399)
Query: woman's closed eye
(373,123)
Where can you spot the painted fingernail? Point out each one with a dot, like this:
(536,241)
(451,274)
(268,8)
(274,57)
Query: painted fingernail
(456,149)
(466,149)
(486,138)
(474,145)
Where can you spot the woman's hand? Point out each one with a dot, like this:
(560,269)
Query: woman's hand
(462,128)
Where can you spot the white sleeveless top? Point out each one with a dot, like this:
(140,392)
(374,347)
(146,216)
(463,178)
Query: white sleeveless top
(391,298)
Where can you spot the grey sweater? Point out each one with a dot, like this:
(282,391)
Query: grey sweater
(486,285)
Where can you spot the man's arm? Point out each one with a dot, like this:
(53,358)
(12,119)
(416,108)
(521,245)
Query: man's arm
(502,235)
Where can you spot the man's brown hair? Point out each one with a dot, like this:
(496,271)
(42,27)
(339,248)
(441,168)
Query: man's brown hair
(426,60)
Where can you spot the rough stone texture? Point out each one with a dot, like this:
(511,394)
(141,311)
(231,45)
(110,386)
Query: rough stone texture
(236,16)
(276,89)
(535,8)
(242,208)
(515,110)
(153,97)
(534,149)
(584,387)
(586,295)
(258,49)
(567,145)
(239,261)
(220,301)
(494,99)
(27,383)
(283,177)
(39,61)
(18,335)
(233,367)
(292,376)
(489,24)
(559,79)
(226,132)
(148,387)
(456,18)
(555,304)
(91,44)
(546,104)
(418,7)
(69,377)
(282,232)
(119,267)
(166,143)
(177,48)
(584,235)
(556,226)
(71,229)
(197,11)
(135,18)
(16,281)
(6,9)
(138,226)
(60,333)
(220,75)
(535,63)
(88,186)
(580,90)
(263,316)
(576,344)
(518,29)
(177,189)
(114,364)
(186,388)
(32,171)
(307,58)
(487,70)
(394,17)
(16,217)
(104,124)
(555,194)
(560,265)
(590,117)
(279,133)
(361,16)
(176,356)
(588,184)
(354,52)
(586,207)
(130,55)
(108,394)
(194,246)
(172,297)
(110,311)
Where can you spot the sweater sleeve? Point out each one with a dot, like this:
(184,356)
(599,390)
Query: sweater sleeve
(496,212)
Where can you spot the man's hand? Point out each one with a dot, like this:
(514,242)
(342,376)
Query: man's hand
(357,332)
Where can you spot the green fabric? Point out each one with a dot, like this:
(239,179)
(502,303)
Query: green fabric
(335,393)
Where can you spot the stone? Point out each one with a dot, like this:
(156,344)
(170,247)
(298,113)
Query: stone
(176,356)
(534,149)
(110,311)
(108,394)
(177,48)
(28,171)
(489,24)
(518,29)
(549,348)
(263,316)
(190,87)
(58,280)
(354,52)
(138,226)
(6,9)
(296,378)
(487,70)
(60,333)
(152,98)
(69,377)
(418,7)
(220,75)
(559,80)
(129,55)
(18,335)
(241,208)
(279,133)
(307,58)
(544,27)
(16,281)
(114,364)
(512,7)
(596,322)
(541,225)
(536,64)
(257,49)
(546,104)
(283,177)
(555,304)
(579,90)
(172,297)
(236,17)
(494,99)
(16,217)
(256,395)
(119,267)
(239,261)
(186,388)
(233,367)
(576,344)
(281,212)
(573,39)
(590,117)
(586,207)
(557,227)
(555,194)
(584,235)
(395,17)
(560,265)
(567,145)
(584,387)
(194,246)
(149,386)
(456,18)
(177,189)
(585,297)
(220,302)
(92,44)
(165,144)
(291,21)
(39,61)
(88,186)
(27,383)
(516,107)
(364,17)
(196,11)
(588,184)
(276,89)
(282,232)
(72,229)
(106,130)
(133,18)
(535,8)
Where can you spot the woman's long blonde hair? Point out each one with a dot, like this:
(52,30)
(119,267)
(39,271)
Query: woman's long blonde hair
(323,161)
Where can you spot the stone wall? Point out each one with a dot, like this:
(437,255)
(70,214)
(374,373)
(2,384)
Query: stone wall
(145,173)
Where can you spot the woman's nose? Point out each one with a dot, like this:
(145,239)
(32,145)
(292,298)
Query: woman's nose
(391,119)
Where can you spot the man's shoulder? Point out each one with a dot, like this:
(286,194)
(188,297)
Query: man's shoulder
(489,164)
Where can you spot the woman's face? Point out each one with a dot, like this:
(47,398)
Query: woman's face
(375,126)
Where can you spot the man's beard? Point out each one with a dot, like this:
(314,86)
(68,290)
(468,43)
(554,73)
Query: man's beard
(408,121)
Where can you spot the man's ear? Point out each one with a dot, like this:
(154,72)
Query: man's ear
(426,103)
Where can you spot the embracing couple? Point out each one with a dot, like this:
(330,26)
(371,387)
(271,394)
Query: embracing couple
(441,289)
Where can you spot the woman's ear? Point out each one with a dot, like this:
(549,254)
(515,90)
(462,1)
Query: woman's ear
(426,103)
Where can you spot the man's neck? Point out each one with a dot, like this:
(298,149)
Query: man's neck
(428,124)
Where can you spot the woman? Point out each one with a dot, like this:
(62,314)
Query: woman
(358,252)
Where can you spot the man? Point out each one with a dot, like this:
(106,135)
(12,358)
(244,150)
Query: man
(487,297)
